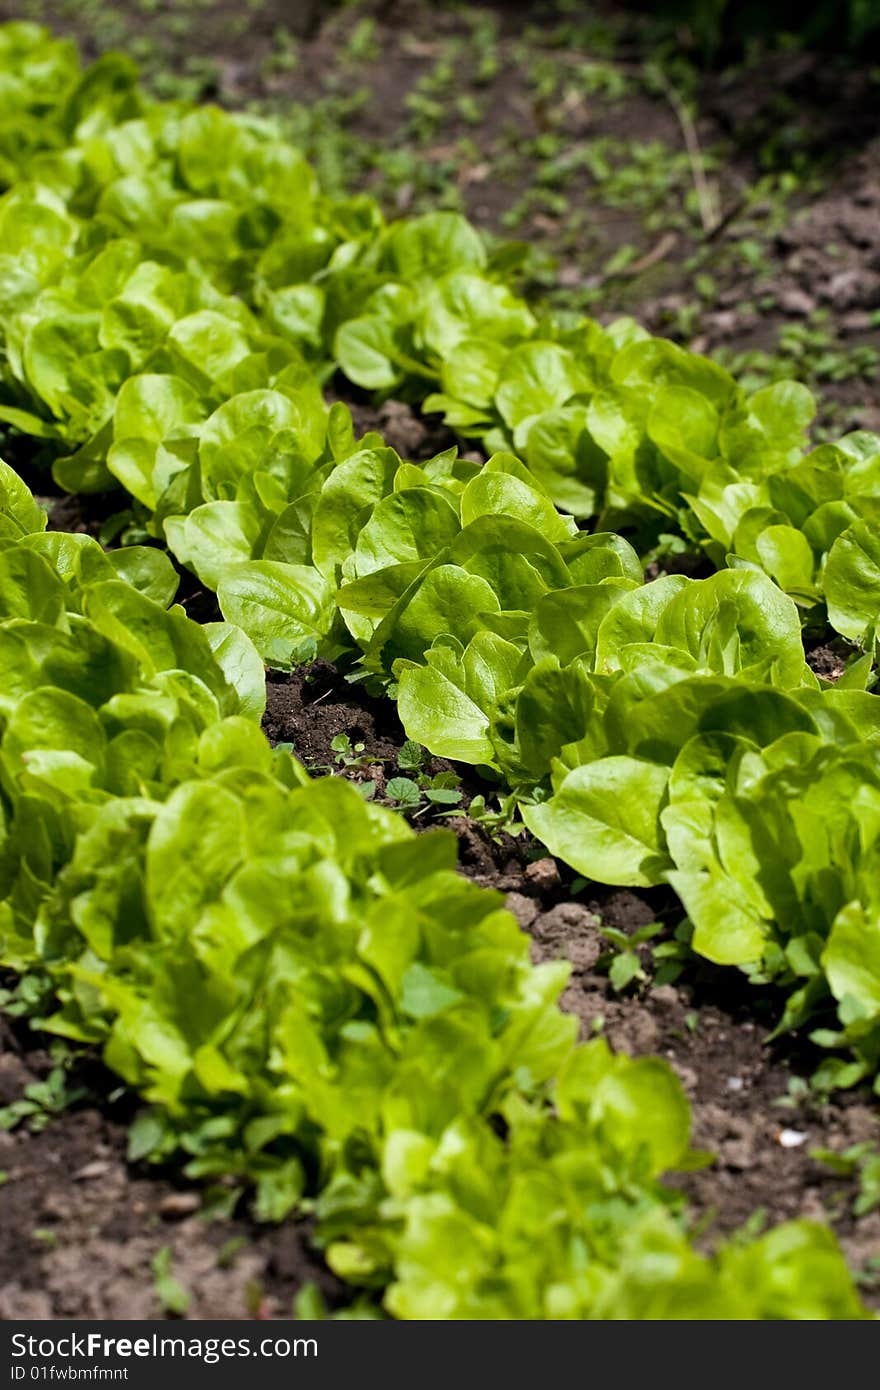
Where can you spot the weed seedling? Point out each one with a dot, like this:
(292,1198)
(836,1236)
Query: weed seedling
(172,1297)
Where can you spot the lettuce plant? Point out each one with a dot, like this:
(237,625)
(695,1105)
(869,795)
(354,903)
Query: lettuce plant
(309,997)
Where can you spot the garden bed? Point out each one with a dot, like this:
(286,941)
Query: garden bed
(86,1230)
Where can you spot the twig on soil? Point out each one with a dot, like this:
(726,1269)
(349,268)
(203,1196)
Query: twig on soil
(667,243)
(707,195)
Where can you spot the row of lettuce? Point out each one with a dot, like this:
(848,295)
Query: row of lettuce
(173,292)
(663,732)
(141,237)
(310,998)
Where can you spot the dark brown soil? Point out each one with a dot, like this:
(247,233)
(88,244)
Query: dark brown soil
(734,1081)
(829,659)
(311,707)
(824,267)
(80,513)
(82,1227)
(414,437)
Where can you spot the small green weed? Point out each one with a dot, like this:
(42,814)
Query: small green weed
(43,1100)
(861,1162)
(172,1297)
